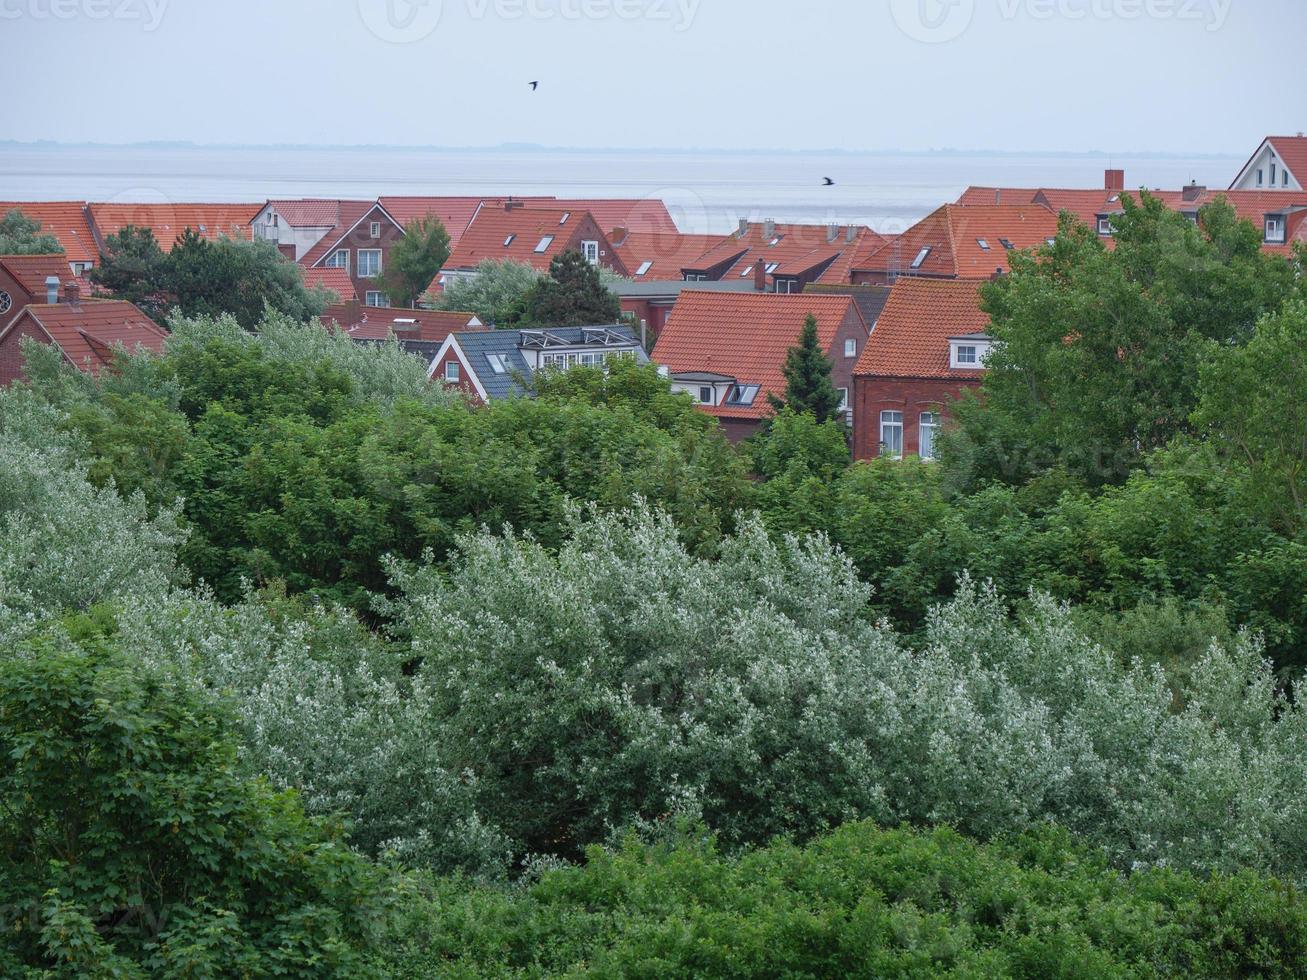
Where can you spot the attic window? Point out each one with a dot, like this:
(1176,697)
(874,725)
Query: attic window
(1006,243)
(921,257)
(1274,228)
(497,363)
(746,273)
(742,394)
(775,241)
(203,229)
(1104,226)
(544,244)
(983,244)
(509,240)
(772,267)
(563,219)
(1051,241)
(644,267)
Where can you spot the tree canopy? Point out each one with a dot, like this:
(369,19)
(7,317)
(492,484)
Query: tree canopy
(572,295)
(808,387)
(21,235)
(496,293)
(414,260)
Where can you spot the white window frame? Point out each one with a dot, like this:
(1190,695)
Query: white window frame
(891,422)
(1275,229)
(921,257)
(590,249)
(844,399)
(453,371)
(705,395)
(850,346)
(361,265)
(382,301)
(927,422)
(374,229)
(1105,226)
(543,245)
(333,263)
(785,286)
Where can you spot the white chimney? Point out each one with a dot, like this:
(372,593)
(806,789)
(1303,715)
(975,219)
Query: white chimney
(52,289)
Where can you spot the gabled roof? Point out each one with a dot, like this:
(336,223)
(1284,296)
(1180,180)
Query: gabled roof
(378,323)
(974,195)
(455,213)
(1292,151)
(66,220)
(31,271)
(518,234)
(87,331)
(350,213)
(337,281)
(309,212)
(745,336)
(476,345)
(911,339)
(168,221)
(666,253)
(639,215)
(785,250)
(963,242)
(870,300)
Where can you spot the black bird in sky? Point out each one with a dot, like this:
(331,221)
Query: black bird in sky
(827,182)
(534,85)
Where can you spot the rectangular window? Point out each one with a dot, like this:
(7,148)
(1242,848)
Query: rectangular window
(927,428)
(966,354)
(591,251)
(1105,226)
(1284,178)
(705,395)
(891,434)
(374,298)
(1274,228)
(543,245)
(844,399)
(338,259)
(509,240)
(451,371)
(851,347)
(369,262)
(785,285)
(374,230)
(1261,174)
(921,257)
(644,267)
(1272,175)
(497,363)
(983,244)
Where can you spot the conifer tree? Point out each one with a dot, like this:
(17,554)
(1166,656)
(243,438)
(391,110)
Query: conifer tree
(808,386)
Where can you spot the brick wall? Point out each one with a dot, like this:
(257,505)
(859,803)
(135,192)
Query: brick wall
(11,355)
(911,396)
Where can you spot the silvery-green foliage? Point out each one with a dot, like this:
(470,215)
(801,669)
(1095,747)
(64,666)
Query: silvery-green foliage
(383,373)
(623,680)
(324,708)
(64,543)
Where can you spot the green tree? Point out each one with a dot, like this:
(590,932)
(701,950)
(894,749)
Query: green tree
(133,267)
(21,235)
(808,386)
(572,295)
(131,842)
(497,293)
(414,260)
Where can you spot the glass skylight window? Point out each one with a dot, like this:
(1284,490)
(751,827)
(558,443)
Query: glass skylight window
(563,219)
(921,257)
(1006,243)
(772,267)
(544,244)
(983,244)
(497,363)
(509,240)
(644,267)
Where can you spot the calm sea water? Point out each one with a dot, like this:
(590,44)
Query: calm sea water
(706,192)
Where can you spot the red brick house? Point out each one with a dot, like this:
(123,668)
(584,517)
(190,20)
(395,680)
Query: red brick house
(26,279)
(335,281)
(69,223)
(727,350)
(86,331)
(430,326)
(958,242)
(783,257)
(929,345)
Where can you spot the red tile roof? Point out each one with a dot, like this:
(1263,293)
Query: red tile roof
(336,280)
(954,233)
(455,213)
(1292,151)
(793,250)
(349,213)
(31,271)
(168,221)
(524,229)
(378,323)
(998,195)
(309,212)
(87,331)
(66,220)
(744,336)
(643,215)
(667,252)
(911,339)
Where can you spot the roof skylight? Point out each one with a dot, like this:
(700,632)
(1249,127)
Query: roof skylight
(921,257)
(544,244)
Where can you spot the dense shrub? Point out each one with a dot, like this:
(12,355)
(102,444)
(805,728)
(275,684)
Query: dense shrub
(862,902)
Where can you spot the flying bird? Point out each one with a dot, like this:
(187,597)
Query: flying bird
(827,182)
(534,85)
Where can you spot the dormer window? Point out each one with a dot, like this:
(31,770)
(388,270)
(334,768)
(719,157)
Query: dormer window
(705,395)
(1274,228)
(968,353)
(921,257)
(1104,225)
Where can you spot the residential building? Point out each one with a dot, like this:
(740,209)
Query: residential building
(86,332)
(168,221)
(490,364)
(68,222)
(534,236)
(727,350)
(870,299)
(958,241)
(1279,164)
(27,279)
(648,304)
(660,256)
(371,324)
(783,258)
(929,345)
(338,282)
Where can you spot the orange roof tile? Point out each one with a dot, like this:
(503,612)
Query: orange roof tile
(998,195)
(911,339)
(642,215)
(308,212)
(31,271)
(337,281)
(349,213)
(744,336)
(66,220)
(786,249)
(168,221)
(666,252)
(963,241)
(88,330)
(517,234)
(377,323)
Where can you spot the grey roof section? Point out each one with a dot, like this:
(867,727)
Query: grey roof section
(870,300)
(981,335)
(628,289)
(476,344)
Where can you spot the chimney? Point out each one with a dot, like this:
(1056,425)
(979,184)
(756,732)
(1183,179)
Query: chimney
(832,233)
(998,274)
(72,293)
(760,274)
(744,227)
(998,195)
(769,229)
(851,235)
(1192,191)
(1113,180)
(617,237)
(52,289)
(512,205)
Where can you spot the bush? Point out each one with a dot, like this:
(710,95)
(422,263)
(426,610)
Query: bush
(862,902)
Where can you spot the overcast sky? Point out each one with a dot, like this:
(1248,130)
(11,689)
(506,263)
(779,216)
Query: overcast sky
(1066,75)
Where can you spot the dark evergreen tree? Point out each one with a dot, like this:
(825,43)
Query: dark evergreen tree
(415,260)
(133,267)
(573,295)
(808,387)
